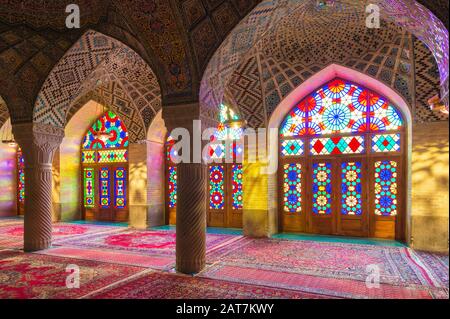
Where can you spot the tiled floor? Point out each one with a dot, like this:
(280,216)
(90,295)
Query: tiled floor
(118,262)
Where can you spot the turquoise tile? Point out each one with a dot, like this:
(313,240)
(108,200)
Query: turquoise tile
(338,239)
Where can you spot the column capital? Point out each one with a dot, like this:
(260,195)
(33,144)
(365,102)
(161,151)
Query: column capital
(38,141)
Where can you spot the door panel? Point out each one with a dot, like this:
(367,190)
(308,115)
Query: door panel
(352,202)
(293,216)
(385,198)
(216,196)
(322,202)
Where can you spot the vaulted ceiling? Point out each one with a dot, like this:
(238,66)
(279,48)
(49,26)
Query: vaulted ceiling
(175,38)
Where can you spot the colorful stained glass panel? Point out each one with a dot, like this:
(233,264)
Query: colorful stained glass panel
(386,188)
(120,188)
(112,156)
(386,143)
(88,157)
(322,188)
(89,187)
(109,124)
(292,148)
(337,145)
(237,186)
(105,199)
(20,176)
(216,187)
(172,187)
(292,188)
(351,189)
(341,107)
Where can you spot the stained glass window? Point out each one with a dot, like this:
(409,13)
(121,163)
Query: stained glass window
(341,107)
(112,156)
(337,145)
(386,188)
(88,157)
(292,188)
(172,187)
(386,143)
(292,148)
(120,187)
(21,176)
(216,187)
(89,186)
(237,186)
(351,189)
(322,188)
(110,124)
(104,188)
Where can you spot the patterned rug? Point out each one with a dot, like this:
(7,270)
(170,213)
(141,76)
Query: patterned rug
(270,261)
(26,276)
(11,235)
(159,243)
(115,257)
(171,286)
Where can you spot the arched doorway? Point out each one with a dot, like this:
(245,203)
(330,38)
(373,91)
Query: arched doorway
(104,159)
(342,154)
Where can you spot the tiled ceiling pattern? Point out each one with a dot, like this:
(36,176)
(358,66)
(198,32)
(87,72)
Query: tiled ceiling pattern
(112,95)
(298,48)
(137,78)
(270,14)
(4,114)
(427,83)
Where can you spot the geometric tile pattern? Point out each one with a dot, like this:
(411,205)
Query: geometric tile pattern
(298,48)
(292,148)
(113,96)
(427,83)
(255,30)
(4,114)
(63,82)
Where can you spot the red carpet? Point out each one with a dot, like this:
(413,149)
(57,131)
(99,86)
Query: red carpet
(26,276)
(170,286)
(115,257)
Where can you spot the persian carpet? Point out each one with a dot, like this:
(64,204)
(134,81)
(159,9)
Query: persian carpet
(26,276)
(270,261)
(160,243)
(172,286)
(11,236)
(115,257)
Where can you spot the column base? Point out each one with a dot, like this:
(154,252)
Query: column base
(37,245)
(190,268)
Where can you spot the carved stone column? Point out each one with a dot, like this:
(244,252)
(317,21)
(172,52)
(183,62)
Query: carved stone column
(191,196)
(39,143)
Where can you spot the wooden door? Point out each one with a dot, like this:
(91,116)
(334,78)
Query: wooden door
(292,194)
(224,200)
(108,192)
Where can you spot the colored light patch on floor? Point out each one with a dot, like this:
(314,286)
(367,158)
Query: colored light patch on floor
(161,243)
(398,266)
(28,276)
(115,257)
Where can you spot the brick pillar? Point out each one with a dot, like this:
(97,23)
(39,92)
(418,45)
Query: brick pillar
(191,196)
(39,143)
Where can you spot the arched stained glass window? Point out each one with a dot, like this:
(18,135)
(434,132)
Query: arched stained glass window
(341,153)
(341,107)
(104,157)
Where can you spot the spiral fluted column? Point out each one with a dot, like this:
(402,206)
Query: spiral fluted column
(191,191)
(191,218)
(39,143)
